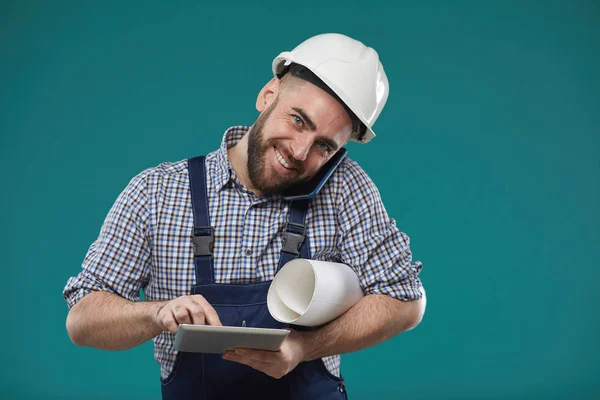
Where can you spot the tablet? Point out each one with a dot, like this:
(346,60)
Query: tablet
(217,339)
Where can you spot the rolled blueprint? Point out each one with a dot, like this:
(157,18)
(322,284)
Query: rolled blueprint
(312,293)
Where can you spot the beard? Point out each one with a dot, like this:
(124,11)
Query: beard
(257,151)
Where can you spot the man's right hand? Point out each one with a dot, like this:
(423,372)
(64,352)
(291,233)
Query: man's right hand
(192,309)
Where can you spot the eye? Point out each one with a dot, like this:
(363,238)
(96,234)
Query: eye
(298,121)
(323,146)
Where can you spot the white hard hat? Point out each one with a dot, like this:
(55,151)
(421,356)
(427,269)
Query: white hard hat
(351,69)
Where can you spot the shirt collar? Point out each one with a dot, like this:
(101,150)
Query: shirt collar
(224,171)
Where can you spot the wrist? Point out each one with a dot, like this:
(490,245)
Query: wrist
(155,309)
(305,345)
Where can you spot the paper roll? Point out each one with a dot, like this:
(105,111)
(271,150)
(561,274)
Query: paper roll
(312,293)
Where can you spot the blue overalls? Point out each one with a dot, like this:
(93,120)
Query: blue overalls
(208,376)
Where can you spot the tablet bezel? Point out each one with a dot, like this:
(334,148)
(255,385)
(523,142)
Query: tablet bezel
(217,339)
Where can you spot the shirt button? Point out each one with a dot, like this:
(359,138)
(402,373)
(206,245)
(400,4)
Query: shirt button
(248,252)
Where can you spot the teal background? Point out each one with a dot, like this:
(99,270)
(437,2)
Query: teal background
(487,155)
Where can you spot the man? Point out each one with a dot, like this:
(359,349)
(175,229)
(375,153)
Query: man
(204,237)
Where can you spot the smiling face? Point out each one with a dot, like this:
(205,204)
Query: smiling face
(300,128)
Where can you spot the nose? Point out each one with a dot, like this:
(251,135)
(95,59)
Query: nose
(300,148)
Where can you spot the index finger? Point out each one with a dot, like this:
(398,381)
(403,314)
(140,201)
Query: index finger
(212,318)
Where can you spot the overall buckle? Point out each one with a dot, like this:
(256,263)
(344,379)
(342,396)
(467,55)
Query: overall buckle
(292,241)
(204,240)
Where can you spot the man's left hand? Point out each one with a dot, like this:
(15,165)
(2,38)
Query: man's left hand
(276,364)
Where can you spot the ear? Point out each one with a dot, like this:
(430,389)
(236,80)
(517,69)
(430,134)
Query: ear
(267,95)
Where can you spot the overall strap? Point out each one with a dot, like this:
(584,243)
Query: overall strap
(203,234)
(295,242)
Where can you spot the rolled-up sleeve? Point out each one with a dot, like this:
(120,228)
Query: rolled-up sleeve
(118,261)
(370,242)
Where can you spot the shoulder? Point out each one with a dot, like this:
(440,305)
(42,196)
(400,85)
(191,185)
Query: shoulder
(352,179)
(349,184)
(165,171)
(170,174)
(353,173)
(145,184)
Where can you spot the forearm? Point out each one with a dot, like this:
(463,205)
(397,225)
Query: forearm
(372,320)
(110,322)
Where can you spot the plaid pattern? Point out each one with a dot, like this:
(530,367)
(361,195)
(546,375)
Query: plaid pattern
(145,241)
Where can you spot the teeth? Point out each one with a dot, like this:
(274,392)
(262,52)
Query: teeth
(282,160)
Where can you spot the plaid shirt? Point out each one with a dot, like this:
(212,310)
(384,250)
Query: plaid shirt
(145,241)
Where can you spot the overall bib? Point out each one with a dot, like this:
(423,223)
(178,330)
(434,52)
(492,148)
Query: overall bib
(207,376)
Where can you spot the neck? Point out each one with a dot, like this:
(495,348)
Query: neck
(238,156)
